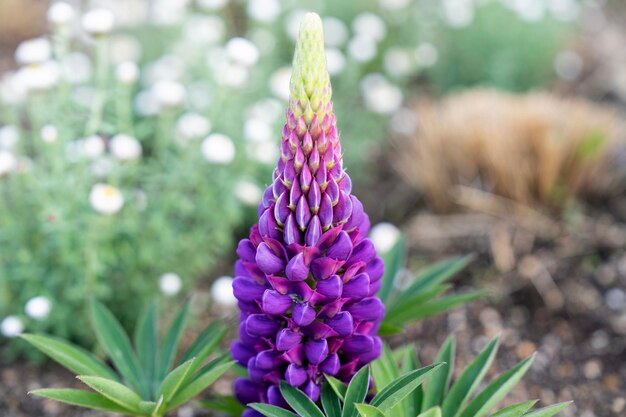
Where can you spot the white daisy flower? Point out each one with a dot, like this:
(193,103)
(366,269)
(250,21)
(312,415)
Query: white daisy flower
(393,4)
(335,61)
(146,104)
(11,326)
(40,77)
(335,32)
(380,95)
(384,236)
(170,284)
(8,162)
(264,152)
(257,130)
(127,72)
(192,126)
(398,62)
(426,54)
(218,148)
(125,147)
(362,48)
(369,25)
(205,30)
(49,133)
(265,11)
(97,22)
(212,5)
(168,94)
(222,292)
(248,192)
(33,51)
(106,199)
(279,83)
(242,51)
(38,308)
(61,13)
(9,135)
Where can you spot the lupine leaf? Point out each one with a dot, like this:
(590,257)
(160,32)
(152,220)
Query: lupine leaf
(412,404)
(516,410)
(339,387)
(367,410)
(437,385)
(146,343)
(170,343)
(398,310)
(434,275)
(199,384)
(115,341)
(175,380)
(271,410)
(431,412)
(224,403)
(387,329)
(223,358)
(205,344)
(549,411)
(393,393)
(394,260)
(496,390)
(420,311)
(356,392)
(299,401)
(80,398)
(469,380)
(330,401)
(72,357)
(384,369)
(114,391)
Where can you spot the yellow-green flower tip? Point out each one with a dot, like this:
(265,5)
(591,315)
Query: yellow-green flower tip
(310,88)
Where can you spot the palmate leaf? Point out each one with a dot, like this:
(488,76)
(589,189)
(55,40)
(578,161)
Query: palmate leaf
(199,384)
(367,410)
(175,380)
(469,380)
(299,401)
(81,398)
(114,340)
(356,392)
(437,385)
(146,343)
(338,387)
(396,391)
(114,391)
(205,344)
(72,357)
(330,401)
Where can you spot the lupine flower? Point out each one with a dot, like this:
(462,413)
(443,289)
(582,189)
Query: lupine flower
(307,276)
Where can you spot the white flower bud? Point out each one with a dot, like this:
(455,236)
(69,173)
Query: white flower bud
(242,51)
(38,308)
(170,284)
(168,93)
(33,51)
(127,72)
(11,326)
(8,162)
(98,22)
(61,13)
(222,292)
(106,199)
(125,147)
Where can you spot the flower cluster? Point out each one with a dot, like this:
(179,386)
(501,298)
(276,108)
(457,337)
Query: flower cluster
(307,276)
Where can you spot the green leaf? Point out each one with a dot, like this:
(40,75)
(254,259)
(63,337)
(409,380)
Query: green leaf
(299,401)
(420,311)
(384,369)
(399,309)
(366,410)
(412,404)
(271,410)
(72,357)
(146,343)
(438,383)
(199,384)
(356,392)
(224,404)
(205,344)
(394,260)
(516,410)
(175,380)
(497,389)
(434,275)
(549,411)
(431,412)
(80,398)
(114,391)
(401,387)
(115,341)
(387,329)
(339,387)
(170,343)
(330,401)
(469,380)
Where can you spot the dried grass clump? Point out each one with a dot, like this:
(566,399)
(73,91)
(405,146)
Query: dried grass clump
(534,148)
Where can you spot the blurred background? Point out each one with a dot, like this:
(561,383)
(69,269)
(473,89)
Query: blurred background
(137,137)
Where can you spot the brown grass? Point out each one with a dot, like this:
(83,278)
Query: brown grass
(533,149)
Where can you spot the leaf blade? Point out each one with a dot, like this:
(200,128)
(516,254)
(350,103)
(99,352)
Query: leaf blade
(113,391)
(80,398)
(299,401)
(356,392)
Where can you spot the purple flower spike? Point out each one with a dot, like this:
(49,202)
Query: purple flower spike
(307,275)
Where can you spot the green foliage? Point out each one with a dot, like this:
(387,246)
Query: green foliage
(137,388)
(422,296)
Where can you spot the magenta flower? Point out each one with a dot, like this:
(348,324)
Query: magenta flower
(307,276)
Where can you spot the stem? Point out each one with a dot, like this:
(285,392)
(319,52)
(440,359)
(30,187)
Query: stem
(123,107)
(97,105)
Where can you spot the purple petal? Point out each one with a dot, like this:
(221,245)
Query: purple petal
(358,344)
(373,353)
(246,250)
(268,360)
(314,197)
(305,178)
(345,184)
(314,160)
(303,314)
(295,375)
(241,353)
(267,261)
(357,288)
(294,195)
(357,214)
(313,231)
(275,303)
(316,350)
(248,412)
(321,176)
(330,365)
(303,213)
(343,208)
(369,309)
(363,252)
(281,209)
(342,324)
(246,391)
(289,174)
(342,248)
(296,269)
(260,325)
(325,213)
(287,339)
(274,397)
(291,233)
(332,191)
(330,288)
(317,330)
(312,391)
(375,269)
(322,268)
(295,355)
(255,373)
(247,289)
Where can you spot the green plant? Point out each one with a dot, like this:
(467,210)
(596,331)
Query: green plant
(146,380)
(403,389)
